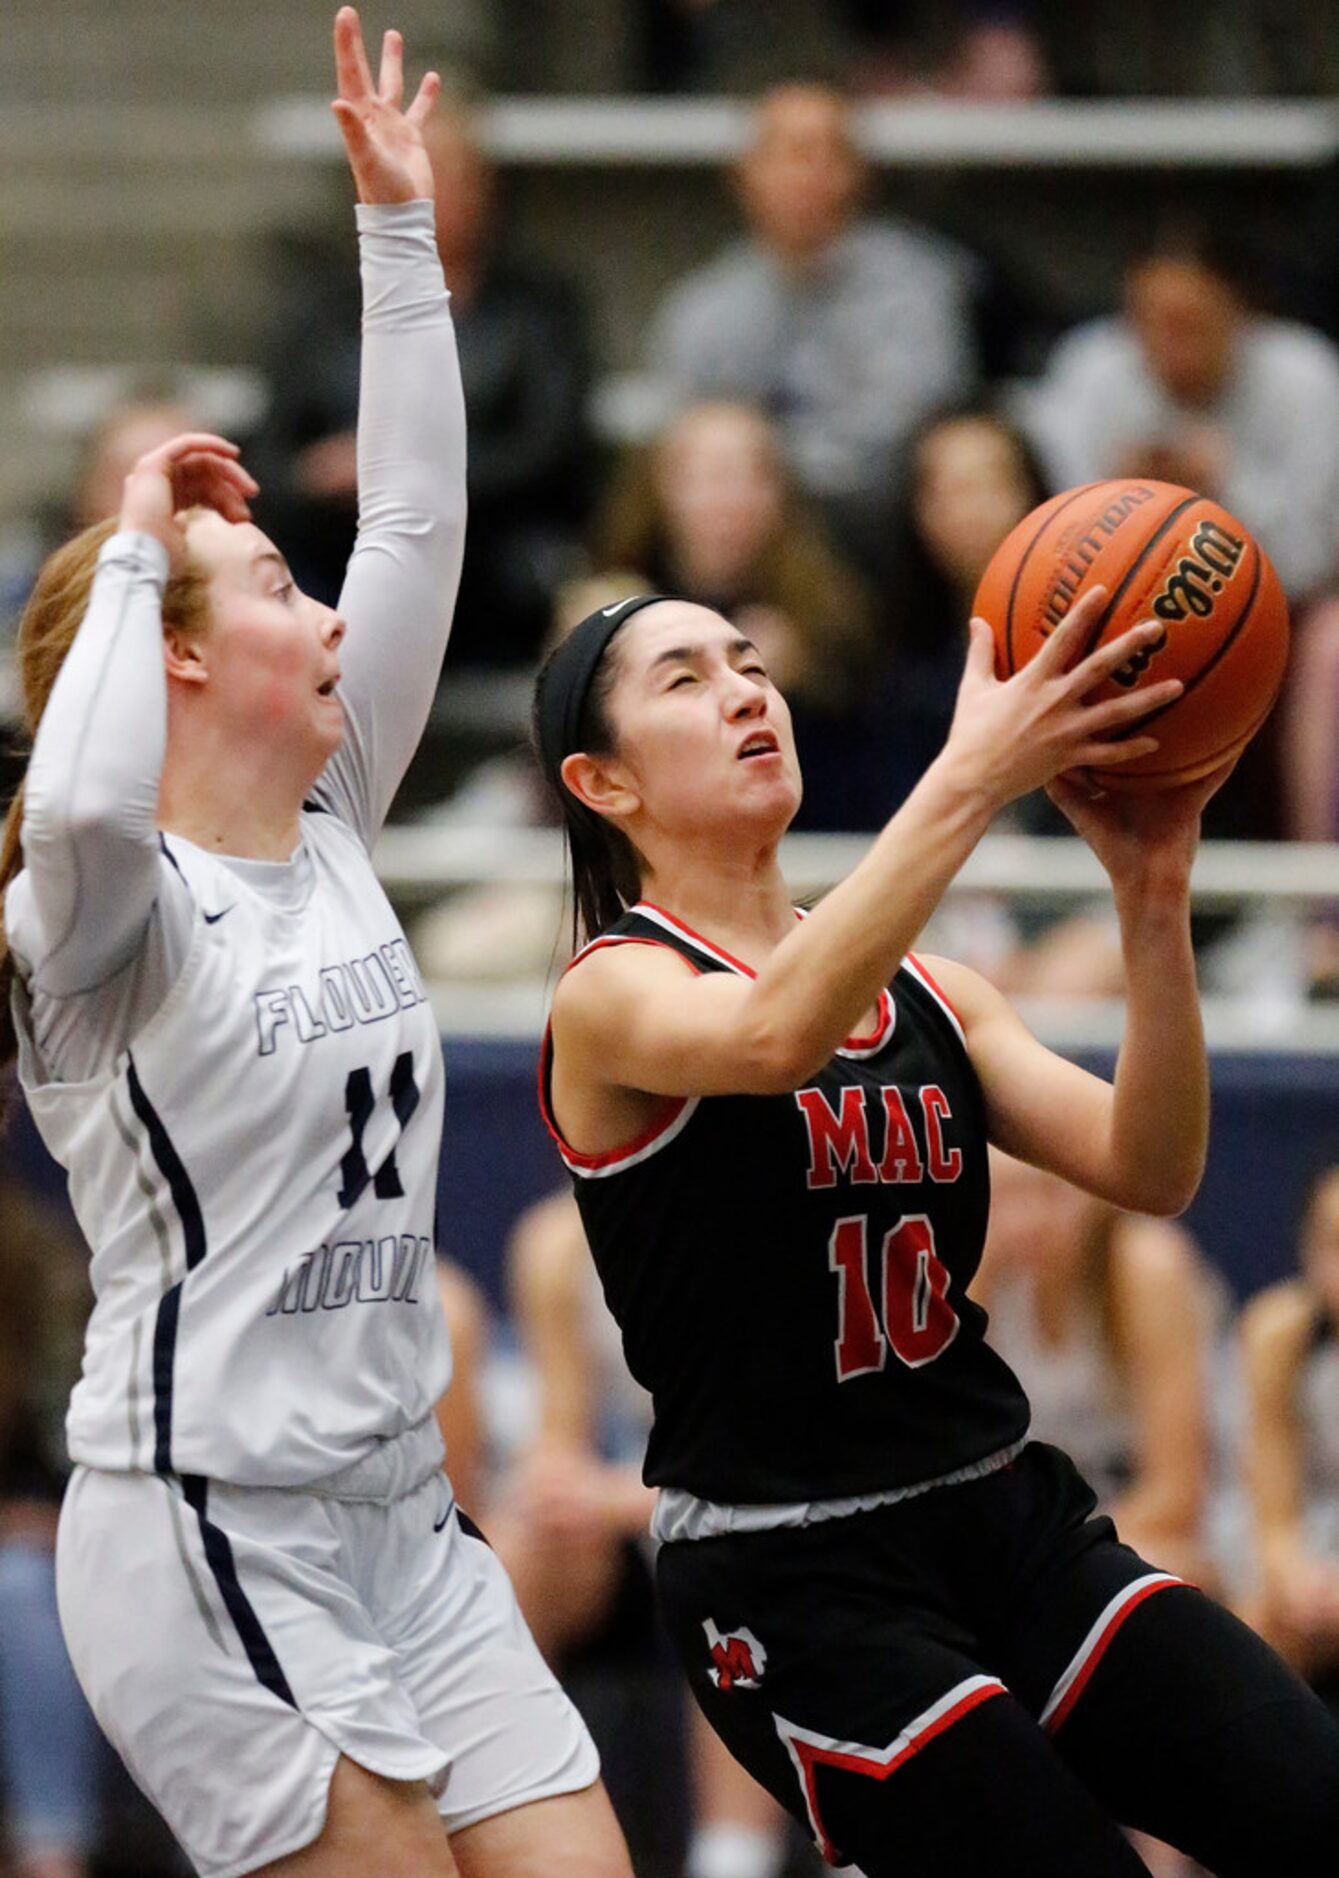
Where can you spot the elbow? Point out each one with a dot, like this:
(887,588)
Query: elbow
(778,1060)
(1163,1192)
(1159,1184)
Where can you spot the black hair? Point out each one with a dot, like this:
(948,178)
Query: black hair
(606,872)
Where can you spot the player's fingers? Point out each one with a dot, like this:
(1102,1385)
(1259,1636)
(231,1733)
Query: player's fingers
(187,444)
(428,92)
(1114,713)
(214,462)
(980,661)
(1065,645)
(1099,665)
(390,80)
(1101,755)
(353,129)
(352,71)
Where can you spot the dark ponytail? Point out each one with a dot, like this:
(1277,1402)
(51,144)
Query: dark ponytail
(606,875)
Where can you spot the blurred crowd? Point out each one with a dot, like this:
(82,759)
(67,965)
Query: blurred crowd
(844,436)
(838,432)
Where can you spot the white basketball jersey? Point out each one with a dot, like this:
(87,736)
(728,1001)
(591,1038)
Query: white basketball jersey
(256,1177)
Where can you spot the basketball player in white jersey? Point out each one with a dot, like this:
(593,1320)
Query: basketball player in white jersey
(309,1661)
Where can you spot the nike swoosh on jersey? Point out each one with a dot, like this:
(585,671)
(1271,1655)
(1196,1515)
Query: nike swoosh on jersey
(212,919)
(438,1524)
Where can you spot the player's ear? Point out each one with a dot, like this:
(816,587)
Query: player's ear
(184,657)
(601,784)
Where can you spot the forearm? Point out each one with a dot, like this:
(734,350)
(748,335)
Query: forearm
(818,983)
(401,584)
(1160,1102)
(90,837)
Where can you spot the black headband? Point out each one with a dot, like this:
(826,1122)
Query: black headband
(565,681)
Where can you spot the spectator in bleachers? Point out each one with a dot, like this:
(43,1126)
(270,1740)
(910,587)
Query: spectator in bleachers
(572,1522)
(1107,1319)
(505,929)
(1290,1342)
(709,514)
(148,415)
(845,328)
(522,336)
(1189,384)
(49,1744)
(971,477)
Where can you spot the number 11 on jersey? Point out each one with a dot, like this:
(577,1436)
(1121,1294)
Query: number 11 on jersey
(916,1317)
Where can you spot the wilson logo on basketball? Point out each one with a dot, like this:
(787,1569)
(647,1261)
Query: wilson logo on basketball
(737,1659)
(1191,589)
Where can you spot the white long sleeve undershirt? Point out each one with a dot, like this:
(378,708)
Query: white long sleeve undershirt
(100,920)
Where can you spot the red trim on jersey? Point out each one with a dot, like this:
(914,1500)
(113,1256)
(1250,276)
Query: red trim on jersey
(1094,1647)
(934,985)
(883,1008)
(810,1751)
(573,1157)
(707,945)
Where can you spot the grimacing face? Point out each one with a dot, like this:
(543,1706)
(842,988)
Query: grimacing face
(704,750)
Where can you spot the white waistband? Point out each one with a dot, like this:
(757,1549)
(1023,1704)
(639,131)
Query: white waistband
(681,1515)
(393,1468)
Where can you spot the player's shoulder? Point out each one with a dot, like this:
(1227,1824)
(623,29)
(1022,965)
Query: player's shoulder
(612,967)
(963,994)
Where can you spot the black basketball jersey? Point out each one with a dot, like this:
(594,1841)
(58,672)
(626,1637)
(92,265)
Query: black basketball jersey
(789,1272)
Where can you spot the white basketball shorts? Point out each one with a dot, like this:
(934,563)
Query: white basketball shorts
(233,1642)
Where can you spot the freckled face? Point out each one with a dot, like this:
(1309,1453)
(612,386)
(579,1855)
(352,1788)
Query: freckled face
(702,732)
(270,651)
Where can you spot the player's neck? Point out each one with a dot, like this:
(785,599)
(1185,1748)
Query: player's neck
(235,809)
(743,906)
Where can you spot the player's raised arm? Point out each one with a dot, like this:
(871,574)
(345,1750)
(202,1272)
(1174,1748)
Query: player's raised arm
(91,795)
(401,584)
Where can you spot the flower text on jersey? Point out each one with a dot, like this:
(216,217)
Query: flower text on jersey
(839,1139)
(358,991)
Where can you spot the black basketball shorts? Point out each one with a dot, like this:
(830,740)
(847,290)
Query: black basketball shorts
(851,1644)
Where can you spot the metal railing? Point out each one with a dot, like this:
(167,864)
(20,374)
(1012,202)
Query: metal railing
(692,132)
(1280,889)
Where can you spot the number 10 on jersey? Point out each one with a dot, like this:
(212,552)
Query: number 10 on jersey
(913,1312)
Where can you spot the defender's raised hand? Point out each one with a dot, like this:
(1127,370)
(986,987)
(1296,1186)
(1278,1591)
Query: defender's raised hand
(194,470)
(384,142)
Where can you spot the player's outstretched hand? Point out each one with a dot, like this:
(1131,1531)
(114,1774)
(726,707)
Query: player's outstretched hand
(1012,735)
(384,141)
(194,470)
(1137,836)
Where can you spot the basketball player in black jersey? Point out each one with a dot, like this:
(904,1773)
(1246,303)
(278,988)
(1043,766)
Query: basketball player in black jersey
(900,1615)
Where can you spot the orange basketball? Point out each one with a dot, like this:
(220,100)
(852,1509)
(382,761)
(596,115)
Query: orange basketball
(1165,554)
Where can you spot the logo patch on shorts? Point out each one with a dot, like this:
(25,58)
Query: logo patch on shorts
(737,1659)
